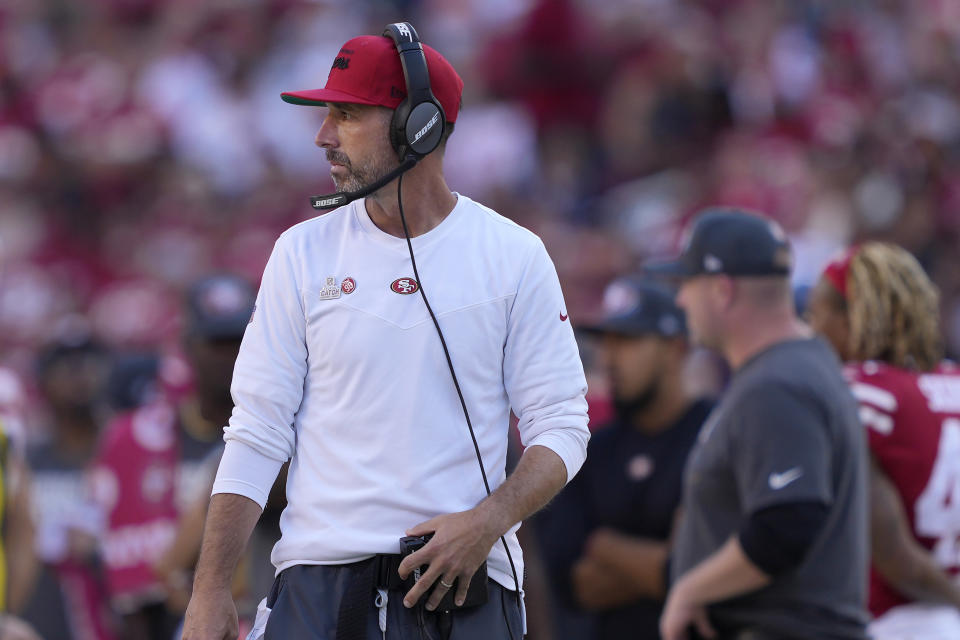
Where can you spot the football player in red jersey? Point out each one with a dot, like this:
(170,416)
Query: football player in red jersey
(880,311)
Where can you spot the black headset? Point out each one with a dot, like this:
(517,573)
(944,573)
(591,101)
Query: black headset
(418,122)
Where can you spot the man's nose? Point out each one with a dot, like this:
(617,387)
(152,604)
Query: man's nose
(326,137)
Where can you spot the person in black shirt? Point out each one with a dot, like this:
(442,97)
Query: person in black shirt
(607,533)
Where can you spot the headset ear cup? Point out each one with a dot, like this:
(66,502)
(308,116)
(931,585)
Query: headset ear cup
(424,128)
(418,121)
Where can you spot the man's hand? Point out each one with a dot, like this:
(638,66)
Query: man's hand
(211,616)
(617,569)
(460,544)
(462,541)
(679,614)
(596,587)
(608,545)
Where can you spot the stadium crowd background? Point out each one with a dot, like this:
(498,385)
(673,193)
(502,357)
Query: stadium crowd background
(143,143)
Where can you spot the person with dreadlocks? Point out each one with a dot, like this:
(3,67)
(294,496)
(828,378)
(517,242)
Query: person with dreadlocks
(880,311)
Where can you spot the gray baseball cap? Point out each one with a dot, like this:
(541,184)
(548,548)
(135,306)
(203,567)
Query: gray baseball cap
(635,306)
(731,242)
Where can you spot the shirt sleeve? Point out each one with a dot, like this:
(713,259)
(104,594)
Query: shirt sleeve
(267,385)
(542,371)
(782,450)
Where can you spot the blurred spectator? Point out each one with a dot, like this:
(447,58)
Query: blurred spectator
(155,459)
(69,600)
(219,307)
(607,535)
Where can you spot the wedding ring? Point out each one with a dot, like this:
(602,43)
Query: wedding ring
(448,586)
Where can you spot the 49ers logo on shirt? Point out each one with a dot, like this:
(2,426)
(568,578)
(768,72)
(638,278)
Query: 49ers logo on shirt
(404,286)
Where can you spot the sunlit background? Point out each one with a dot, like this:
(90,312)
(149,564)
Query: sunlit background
(143,143)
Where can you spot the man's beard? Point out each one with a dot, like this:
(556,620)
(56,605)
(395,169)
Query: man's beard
(627,407)
(360,176)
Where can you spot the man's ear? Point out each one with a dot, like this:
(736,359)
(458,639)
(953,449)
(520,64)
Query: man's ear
(723,289)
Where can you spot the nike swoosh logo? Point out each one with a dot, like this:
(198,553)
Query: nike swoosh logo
(778,481)
(563,317)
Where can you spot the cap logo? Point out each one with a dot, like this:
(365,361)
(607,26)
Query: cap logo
(620,299)
(341,63)
(777,231)
(712,263)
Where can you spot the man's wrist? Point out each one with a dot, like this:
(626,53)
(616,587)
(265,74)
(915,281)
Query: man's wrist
(492,519)
(684,591)
(205,585)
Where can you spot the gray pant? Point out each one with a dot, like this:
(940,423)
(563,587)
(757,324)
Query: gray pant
(307,603)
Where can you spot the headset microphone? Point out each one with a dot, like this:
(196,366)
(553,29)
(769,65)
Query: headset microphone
(340,198)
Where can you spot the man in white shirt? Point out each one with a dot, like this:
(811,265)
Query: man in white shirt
(343,372)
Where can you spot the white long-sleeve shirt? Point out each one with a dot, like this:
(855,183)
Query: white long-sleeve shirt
(354,387)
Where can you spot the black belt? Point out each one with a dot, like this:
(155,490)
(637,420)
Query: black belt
(378,572)
(386,566)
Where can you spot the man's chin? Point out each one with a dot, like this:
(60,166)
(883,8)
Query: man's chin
(347,186)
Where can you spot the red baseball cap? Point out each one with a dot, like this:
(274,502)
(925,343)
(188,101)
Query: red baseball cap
(367,71)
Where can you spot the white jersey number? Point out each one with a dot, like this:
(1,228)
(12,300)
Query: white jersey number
(938,507)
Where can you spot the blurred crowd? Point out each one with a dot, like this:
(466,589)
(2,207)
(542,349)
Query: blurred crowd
(143,146)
